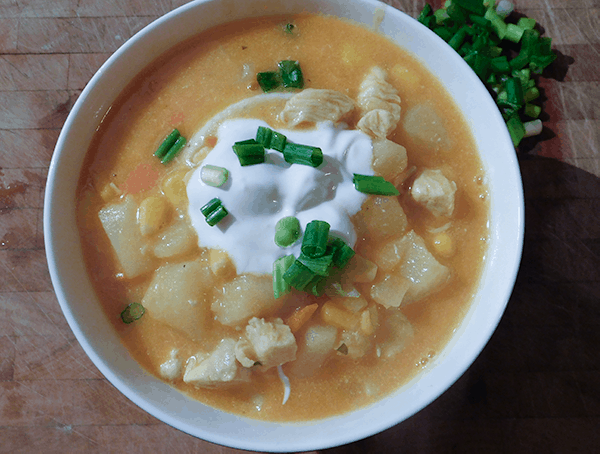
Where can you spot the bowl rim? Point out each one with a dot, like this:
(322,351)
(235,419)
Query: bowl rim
(89,104)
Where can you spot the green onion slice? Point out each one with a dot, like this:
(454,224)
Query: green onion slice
(167,143)
(214,175)
(249,152)
(320,266)
(342,253)
(280,266)
(216,215)
(270,139)
(298,275)
(287,231)
(132,312)
(176,148)
(314,243)
(303,154)
(374,185)
(211,206)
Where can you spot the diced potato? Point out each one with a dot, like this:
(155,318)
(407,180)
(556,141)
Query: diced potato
(313,350)
(221,264)
(359,269)
(421,268)
(177,239)
(382,217)
(389,159)
(339,317)
(350,303)
(390,291)
(153,214)
(398,333)
(404,78)
(179,296)
(217,369)
(357,344)
(174,188)
(423,123)
(110,191)
(246,296)
(119,223)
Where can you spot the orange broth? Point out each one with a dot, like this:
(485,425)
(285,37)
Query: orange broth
(198,79)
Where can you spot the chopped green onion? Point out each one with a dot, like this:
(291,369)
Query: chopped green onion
(533,128)
(475,6)
(374,185)
(210,206)
(526,23)
(318,265)
(280,266)
(500,64)
(132,312)
(166,144)
(216,215)
(289,28)
(214,175)
(514,33)
(317,285)
(531,94)
(314,243)
(291,74)
(303,154)
(249,152)
(270,139)
(177,146)
(533,111)
(516,129)
(287,231)
(298,275)
(268,80)
(342,253)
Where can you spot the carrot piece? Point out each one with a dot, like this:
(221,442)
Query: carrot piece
(301,316)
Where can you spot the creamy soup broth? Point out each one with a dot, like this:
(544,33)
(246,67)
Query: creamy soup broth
(198,79)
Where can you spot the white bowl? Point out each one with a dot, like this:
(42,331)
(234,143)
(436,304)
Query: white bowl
(84,312)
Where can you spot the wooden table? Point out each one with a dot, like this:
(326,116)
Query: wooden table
(535,387)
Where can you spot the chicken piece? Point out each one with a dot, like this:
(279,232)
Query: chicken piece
(218,368)
(316,105)
(171,368)
(269,343)
(379,103)
(435,192)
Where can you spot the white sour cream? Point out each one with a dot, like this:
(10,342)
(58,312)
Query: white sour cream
(257,196)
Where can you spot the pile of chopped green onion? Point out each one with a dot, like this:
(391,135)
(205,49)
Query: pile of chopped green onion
(479,32)
(321,256)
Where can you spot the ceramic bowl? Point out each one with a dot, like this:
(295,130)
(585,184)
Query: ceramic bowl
(93,330)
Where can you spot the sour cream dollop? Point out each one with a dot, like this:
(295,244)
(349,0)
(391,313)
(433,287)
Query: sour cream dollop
(257,196)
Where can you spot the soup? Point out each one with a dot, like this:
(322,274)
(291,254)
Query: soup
(212,326)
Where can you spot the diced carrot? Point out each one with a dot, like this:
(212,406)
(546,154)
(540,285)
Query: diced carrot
(301,316)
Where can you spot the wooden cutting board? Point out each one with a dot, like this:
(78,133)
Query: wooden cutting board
(535,387)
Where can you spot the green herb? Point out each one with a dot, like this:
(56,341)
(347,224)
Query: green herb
(298,275)
(318,265)
(167,143)
(369,184)
(268,80)
(249,152)
(132,312)
(289,28)
(342,253)
(291,74)
(214,175)
(295,153)
(287,231)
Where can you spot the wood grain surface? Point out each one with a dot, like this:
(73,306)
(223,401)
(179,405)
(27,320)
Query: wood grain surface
(535,387)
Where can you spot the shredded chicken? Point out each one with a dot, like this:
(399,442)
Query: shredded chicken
(435,192)
(218,368)
(379,103)
(268,343)
(316,105)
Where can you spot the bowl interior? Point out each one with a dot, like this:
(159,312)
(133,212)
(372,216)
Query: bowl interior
(94,332)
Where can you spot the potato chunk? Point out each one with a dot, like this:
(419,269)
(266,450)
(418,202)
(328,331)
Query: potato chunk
(423,123)
(178,295)
(216,369)
(119,221)
(389,159)
(313,349)
(381,217)
(398,333)
(246,296)
(269,343)
(177,239)
(153,214)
